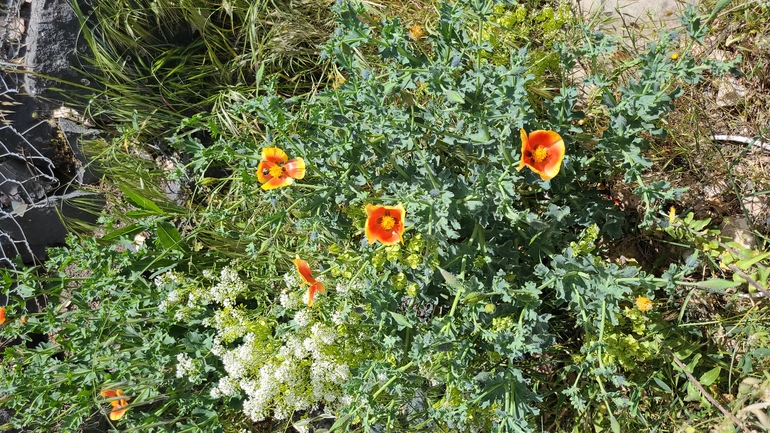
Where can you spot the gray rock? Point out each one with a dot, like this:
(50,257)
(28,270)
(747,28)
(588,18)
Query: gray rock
(730,92)
(51,41)
(19,182)
(40,226)
(737,228)
(658,13)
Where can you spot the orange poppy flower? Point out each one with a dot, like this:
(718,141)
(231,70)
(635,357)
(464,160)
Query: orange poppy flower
(118,404)
(385,224)
(542,152)
(2,315)
(315,286)
(276,169)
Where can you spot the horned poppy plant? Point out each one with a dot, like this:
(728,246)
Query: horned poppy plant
(118,405)
(385,224)
(277,170)
(542,152)
(315,286)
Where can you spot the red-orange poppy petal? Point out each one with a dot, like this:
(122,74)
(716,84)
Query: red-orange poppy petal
(263,171)
(546,141)
(277,182)
(304,270)
(2,315)
(385,224)
(274,154)
(316,287)
(295,168)
(524,144)
(118,405)
(117,412)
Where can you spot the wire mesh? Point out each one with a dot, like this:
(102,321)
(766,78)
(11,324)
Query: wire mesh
(26,175)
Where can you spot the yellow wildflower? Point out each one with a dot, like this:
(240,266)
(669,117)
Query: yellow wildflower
(644,304)
(337,80)
(415,33)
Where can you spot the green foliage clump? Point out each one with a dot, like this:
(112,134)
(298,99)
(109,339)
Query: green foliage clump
(498,305)
(105,330)
(513,27)
(458,316)
(158,62)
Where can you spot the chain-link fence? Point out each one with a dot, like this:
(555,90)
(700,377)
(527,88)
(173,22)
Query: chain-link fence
(26,175)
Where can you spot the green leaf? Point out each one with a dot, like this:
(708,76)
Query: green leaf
(455,96)
(714,284)
(747,263)
(614,423)
(169,236)
(721,4)
(25,291)
(662,385)
(129,231)
(710,376)
(401,319)
(450,279)
(138,214)
(140,200)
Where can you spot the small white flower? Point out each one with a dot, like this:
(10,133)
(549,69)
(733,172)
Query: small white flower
(174,296)
(291,281)
(338,318)
(227,387)
(323,333)
(214,393)
(302,317)
(185,366)
(288,301)
(341,288)
(181,315)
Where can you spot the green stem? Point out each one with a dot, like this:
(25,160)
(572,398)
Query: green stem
(392,379)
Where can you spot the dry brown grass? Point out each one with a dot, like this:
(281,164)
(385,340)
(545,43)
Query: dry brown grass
(724,178)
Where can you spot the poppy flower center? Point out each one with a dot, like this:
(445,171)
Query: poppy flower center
(387,222)
(276,171)
(540,154)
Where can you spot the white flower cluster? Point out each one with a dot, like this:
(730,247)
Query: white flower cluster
(338,317)
(168,279)
(229,287)
(304,373)
(225,388)
(302,317)
(351,287)
(291,280)
(185,367)
(240,361)
(289,300)
(164,281)
(230,323)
